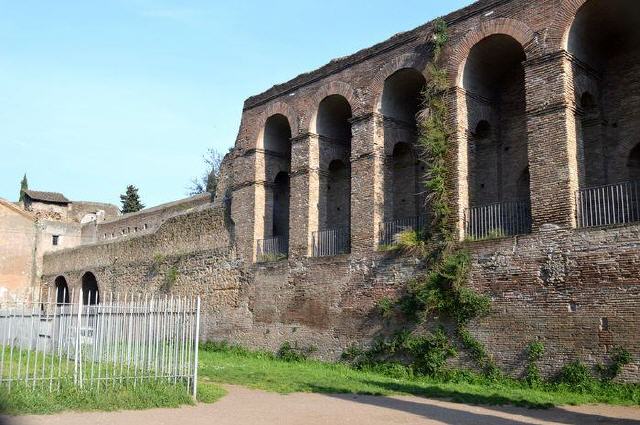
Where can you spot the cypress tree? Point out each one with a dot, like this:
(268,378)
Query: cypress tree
(24,185)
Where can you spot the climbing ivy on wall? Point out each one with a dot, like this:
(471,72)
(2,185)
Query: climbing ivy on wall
(434,135)
(442,291)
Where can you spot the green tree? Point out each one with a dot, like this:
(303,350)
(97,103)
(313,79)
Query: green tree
(24,185)
(131,200)
(208,181)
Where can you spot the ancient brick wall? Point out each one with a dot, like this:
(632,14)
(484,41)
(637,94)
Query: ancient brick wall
(189,254)
(524,83)
(145,220)
(577,290)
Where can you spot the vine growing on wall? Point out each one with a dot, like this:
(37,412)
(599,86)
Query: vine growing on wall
(442,291)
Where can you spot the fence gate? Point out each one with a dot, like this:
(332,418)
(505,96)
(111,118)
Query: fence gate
(124,339)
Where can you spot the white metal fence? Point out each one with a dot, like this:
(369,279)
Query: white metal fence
(125,339)
(498,220)
(331,242)
(610,204)
(272,247)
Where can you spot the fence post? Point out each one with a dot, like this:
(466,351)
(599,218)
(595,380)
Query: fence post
(76,359)
(196,338)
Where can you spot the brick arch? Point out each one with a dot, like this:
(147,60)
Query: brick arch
(276,108)
(335,87)
(282,109)
(58,293)
(561,24)
(99,285)
(516,29)
(65,276)
(408,60)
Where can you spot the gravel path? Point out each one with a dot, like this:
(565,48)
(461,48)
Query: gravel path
(245,406)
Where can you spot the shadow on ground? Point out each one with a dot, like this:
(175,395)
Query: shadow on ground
(491,408)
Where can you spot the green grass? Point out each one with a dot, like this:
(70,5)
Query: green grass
(24,399)
(221,364)
(263,371)
(209,392)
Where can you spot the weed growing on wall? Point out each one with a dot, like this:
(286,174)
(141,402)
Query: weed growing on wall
(154,267)
(620,357)
(170,278)
(442,291)
(535,351)
(293,353)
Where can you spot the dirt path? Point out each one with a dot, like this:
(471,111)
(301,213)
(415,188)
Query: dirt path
(245,406)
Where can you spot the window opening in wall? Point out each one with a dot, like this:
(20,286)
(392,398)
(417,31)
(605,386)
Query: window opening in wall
(62,290)
(332,235)
(90,291)
(604,38)
(404,194)
(498,187)
(273,229)
(55,239)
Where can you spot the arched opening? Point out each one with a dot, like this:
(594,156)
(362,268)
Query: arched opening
(62,290)
(604,38)
(401,96)
(334,196)
(277,151)
(498,177)
(404,195)
(90,291)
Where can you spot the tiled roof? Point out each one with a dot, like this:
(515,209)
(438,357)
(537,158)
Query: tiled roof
(54,197)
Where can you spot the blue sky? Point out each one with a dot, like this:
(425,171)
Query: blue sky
(95,95)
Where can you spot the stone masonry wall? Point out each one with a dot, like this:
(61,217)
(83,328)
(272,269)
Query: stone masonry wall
(195,247)
(145,220)
(576,291)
